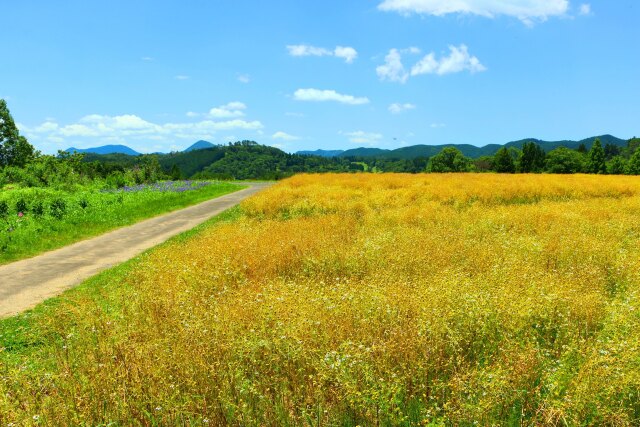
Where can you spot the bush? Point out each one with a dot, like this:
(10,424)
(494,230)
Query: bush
(21,205)
(4,209)
(37,208)
(58,208)
(84,203)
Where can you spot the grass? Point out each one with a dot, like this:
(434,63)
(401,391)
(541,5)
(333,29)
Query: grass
(52,219)
(356,300)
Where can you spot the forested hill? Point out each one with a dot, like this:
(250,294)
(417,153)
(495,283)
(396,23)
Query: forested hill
(468,150)
(250,160)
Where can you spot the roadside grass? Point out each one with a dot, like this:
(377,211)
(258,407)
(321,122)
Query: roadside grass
(347,300)
(52,219)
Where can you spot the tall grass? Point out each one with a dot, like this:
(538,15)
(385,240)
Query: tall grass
(357,300)
(35,220)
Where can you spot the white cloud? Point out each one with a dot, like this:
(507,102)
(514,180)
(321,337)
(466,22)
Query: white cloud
(192,114)
(182,77)
(347,53)
(293,114)
(437,125)
(392,70)
(284,136)
(147,59)
(527,11)
(317,95)
(96,129)
(230,110)
(244,78)
(361,137)
(397,108)
(457,61)
(585,9)
(307,50)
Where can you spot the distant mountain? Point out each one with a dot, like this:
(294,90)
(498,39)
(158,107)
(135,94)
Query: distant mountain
(366,152)
(200,145)
(105,149)
(321,153)
(415,151)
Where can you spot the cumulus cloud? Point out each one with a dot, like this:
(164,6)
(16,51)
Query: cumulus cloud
(528,11)
(585,9)
(284,136)
(317,95)
(457,61)
(96,129)
(362,137)
(392,69)
(230,110)
(347,53)
(397,108)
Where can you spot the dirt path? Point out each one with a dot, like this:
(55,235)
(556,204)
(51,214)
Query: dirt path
(23,284)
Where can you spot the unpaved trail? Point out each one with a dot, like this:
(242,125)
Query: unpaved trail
(23,284)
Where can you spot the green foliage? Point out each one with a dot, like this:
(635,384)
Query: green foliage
(563,160)
(533,157)
(617,166)
(633,168)
(450,159)
(596,159)
(53,218)
(503,162)
(15,150)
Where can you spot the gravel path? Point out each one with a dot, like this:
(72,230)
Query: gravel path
(23,284)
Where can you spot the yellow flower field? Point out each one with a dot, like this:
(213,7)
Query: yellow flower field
(359,300)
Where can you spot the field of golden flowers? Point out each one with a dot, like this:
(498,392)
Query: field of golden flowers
(356,300)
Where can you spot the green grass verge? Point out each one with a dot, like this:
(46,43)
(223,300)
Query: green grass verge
(26,338)
(24,237)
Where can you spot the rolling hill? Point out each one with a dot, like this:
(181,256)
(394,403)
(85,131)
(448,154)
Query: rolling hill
(415,151)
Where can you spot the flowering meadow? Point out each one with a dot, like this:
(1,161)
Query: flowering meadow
(346,300)
(33,220)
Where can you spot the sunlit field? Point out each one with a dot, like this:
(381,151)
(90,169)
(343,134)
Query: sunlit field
(356,300)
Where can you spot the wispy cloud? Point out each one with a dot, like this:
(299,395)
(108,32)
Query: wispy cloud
(317,95)
(527,11)
(147,58)
(182,77)
(392,69)
(397,108)
(585,9)
(347,53)
(284,136)
(227,111)
(457,61)
(362,137)
(244,78)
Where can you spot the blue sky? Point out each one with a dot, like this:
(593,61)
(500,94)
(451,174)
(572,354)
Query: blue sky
(159,75)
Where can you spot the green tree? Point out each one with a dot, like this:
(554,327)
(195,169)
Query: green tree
(617,166)
(582,148)
(450,159)
(175,173)
(532,159)
(596,159)
(503,162)
(564,160)
(15,150)
(633,167)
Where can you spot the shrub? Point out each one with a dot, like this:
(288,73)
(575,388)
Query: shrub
(21,205)
(58,208)
(4,209)
(37,208)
